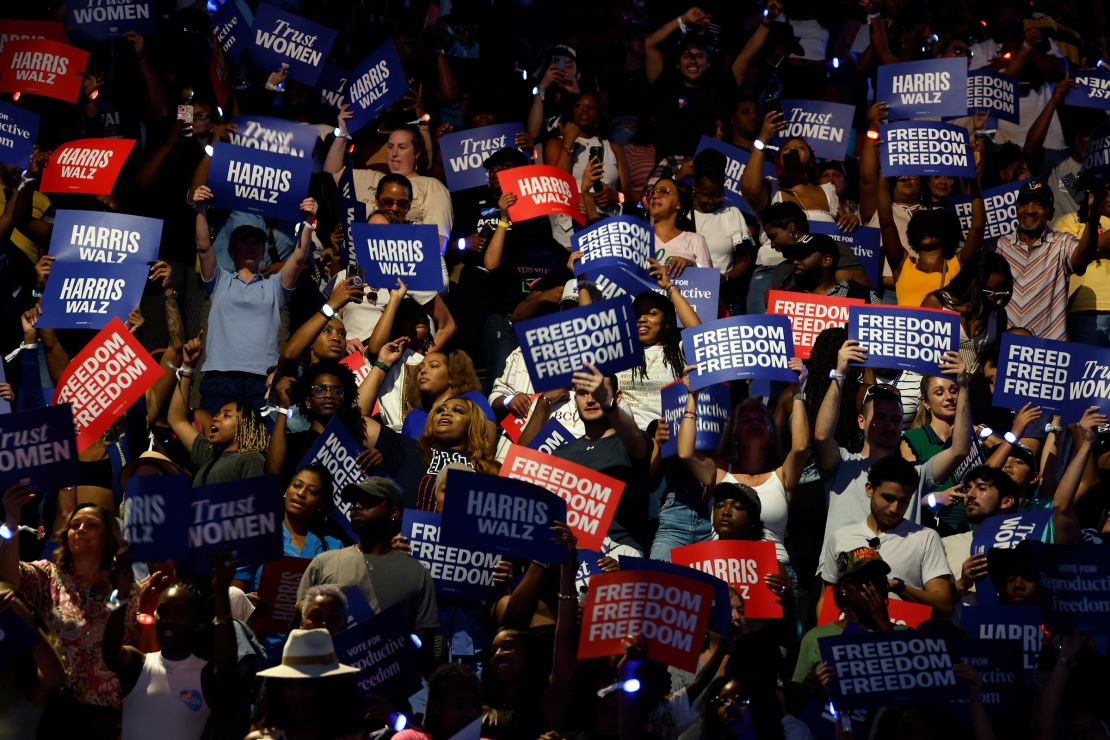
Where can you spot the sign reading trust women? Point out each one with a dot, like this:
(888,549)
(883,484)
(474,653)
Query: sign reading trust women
(376,84)
(825,126)
(740,348)
(1092,89)
(88,166)
(283,38)
(901,338)
(252,180)
(43,67)
(103,236)
(38,447)
(390,251)
(925,148)
(541,190)
(931,88)
(465,152)
(559,345)
(97,20)
(241,516)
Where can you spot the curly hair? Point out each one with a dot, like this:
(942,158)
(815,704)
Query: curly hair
(113,538)
(461,378)
(303,387)
(478,449)
(684,220)
(251,434)
(670,336)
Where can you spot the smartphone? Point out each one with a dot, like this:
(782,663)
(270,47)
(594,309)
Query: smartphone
(559,61)
(185,113)
(771,105)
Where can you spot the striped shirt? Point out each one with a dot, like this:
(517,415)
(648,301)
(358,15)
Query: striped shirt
(1041,270)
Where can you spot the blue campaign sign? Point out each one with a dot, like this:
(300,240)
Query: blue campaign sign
(503,515)
(232,25)
(351,211)
(932,88)
(1088,380)
(735,161)
(993,92)
(242,516)
(551,437)
(19,130)
(383,652)
(740,348)
(1092,89)
(587,568)
(5,404)
(464,153)
(156,517)
(1072,585)
(613,282)
(358,608)
(103,236)
(332,86)
(255,181)
(714,405)
(826,127)
(94,20)
(274,135)
(925,148)
(337,451)
(557,346)
(999,664)
(1096,159)
(279,37)
(699,286)
(1008,622)
(38,447)
(886,668)
(1006,532)
(458,572)
(377,83)
(622,242)
(901,338)
(721,617)
(406,251)
(1060,377)
(16,638)
(864,243)
(1001,204)
(87,295)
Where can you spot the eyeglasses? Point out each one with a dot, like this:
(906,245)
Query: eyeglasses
(390,202)
(996,294)
(725,700)
(322,390)
(661,191)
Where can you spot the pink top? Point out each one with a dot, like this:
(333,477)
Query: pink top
(688,244)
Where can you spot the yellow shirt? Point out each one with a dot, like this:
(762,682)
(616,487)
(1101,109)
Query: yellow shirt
(1091,290)
(913,285)
(40,204)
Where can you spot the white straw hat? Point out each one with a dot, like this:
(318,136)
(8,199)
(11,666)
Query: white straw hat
(308,654)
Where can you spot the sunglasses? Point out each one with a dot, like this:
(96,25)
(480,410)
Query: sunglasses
(390,202)
(882,392)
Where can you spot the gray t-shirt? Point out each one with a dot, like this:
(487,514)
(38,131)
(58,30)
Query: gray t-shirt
(224,466)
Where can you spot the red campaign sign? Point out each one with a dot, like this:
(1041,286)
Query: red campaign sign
(86,166)
(357,364)
(219,75)
(277,589)
(29,31)
(514,425)
(43,67)
(741,564)
(900,612)
(669,610)
(104,379)
(541,190)
(591,497)
(809,315)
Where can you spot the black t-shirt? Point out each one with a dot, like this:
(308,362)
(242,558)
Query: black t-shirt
(684,113)
(297,445)
(404,462)
(631,523)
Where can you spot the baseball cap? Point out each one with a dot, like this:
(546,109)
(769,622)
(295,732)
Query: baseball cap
(746,495)
(373,487)
(570,292)
(783,33)
(809,244)
(506,157)
(1036,191)
(857,560)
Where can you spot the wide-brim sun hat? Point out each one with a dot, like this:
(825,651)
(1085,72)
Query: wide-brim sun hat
(308,654)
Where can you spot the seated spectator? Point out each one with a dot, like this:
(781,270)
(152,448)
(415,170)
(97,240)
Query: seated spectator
(989,492)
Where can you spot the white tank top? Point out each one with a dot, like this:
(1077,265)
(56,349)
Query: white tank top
(773,510)
(167,700)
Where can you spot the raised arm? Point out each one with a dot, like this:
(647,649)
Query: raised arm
(682,307)
(755,42)
(445,324)
(343,293)
(753,187)
(974,241)
(333,162)
(1085,251)
(389,356)
(824,427)
(558,694)
(592,381)
(945,462)
(869,180)
(700,465)
(14,499)
(1065,518)
(179,410)
(291,270)
(1038,131)
(123,660)
(491,258)
(201,197)
(384,328)
(653,55)
(791,471)
(162,274)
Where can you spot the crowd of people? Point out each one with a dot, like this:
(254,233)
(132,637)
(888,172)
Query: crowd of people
(870,482)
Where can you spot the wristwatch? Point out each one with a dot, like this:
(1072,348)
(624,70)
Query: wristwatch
(834,375)
(327,310)
(611,407)
(899,587)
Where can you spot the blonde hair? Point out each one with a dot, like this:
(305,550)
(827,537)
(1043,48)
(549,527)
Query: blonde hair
(478,448)
(251,434)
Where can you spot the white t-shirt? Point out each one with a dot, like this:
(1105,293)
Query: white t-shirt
(687,244)
(768,256)
(431,202)
(914,553)
(957,548)
(724,230)
(641,395)
(813,37)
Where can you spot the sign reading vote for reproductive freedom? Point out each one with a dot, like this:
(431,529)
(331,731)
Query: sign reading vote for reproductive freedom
(1021,623)
(1001,205)
(1074,587)
(671,612)
(1092,89)
(88,166)
(103,236)
(742,565)
(622,242)
(95,20)
(376,84)
(265,183)
(87,295)
(383,652)
(932,88)
(809,314)
(274,135)
(740,348)
(1005,532)
(108,375)
(240,516)
(901,338)
(541,190)
(863,241)
(508,517)
(19,130)
(736,159)
(337,451)
(457,571)
(559,345)
(155,517)
(391,251)
(465,152)
(886,668)
(41,67)
(1060,377)
(993,92)
(38,448)
(926,148)
(550,437)
(824,126)
(281,38)
(277,589)
(231,25)
(591,498)
(714,404)
(699,286)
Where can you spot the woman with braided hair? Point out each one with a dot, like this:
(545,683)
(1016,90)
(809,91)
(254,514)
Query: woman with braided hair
(232,446)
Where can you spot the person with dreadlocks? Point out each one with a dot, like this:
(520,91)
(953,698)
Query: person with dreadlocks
(236,439)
